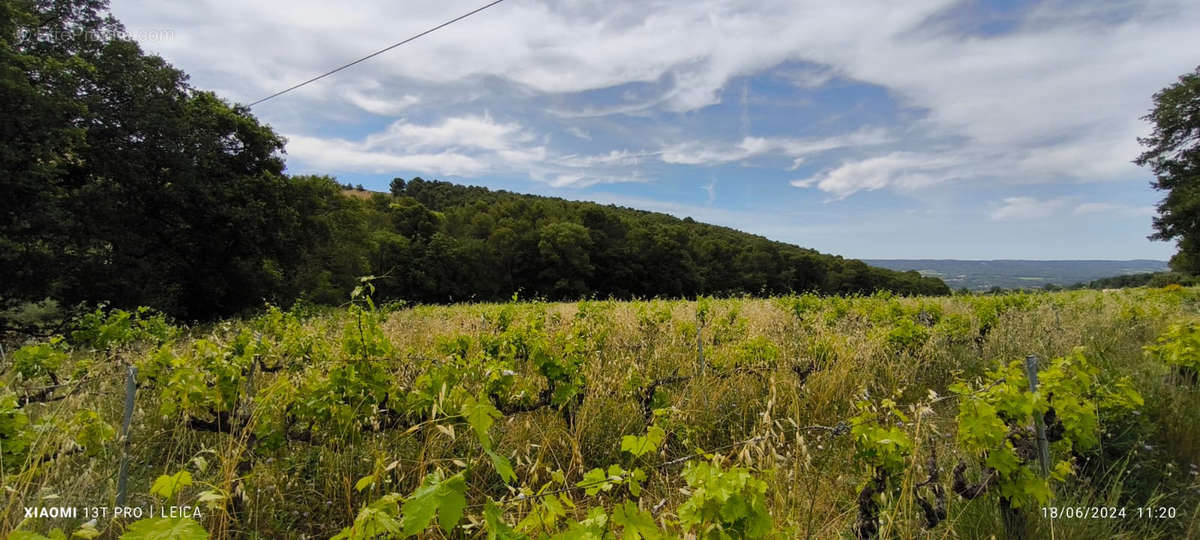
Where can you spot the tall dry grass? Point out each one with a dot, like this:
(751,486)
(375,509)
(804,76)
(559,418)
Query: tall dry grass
(749,388)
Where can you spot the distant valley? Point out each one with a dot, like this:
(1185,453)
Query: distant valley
(1015,273)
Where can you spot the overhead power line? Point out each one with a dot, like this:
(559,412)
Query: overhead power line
(376,53)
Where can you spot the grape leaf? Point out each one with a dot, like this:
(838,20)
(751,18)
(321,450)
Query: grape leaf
(446,498)
(480,414)
(635,522)
(503,466)
(168,486)
(638,446)
(165,529)
(496,527)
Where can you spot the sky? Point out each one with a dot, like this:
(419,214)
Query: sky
(872,129)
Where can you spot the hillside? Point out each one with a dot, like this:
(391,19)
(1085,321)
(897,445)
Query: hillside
(436,241)
(1018,274)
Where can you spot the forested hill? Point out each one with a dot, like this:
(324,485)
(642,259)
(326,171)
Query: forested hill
(438,241)
(121,183)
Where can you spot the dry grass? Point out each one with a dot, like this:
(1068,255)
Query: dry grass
(307,489)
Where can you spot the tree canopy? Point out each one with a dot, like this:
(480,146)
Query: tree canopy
(437,241)
(1173,153)
(124,183)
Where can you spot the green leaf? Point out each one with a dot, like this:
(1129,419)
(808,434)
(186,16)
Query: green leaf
(497,528)
(594,481)
(213,499)
(1062,471)
(1004,460)
(55,534)
(639,446)
(165,529)
(503,467)
(635,479)
(635,522)
(445,498)
(364,482)
(87,531)
(168,486)
(376,520)
(480,414)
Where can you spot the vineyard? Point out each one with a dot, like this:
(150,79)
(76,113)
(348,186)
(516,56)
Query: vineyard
(790,417)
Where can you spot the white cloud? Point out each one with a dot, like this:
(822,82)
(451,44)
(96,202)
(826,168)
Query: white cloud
(551,47)
(614,158)
(318,155)
(467,131)
(1096,208)
(1025,208)
(1113,210)
(382,106)
(1056,98)
(711,189)
(906,170)
(471,145)
(714,153)
(807,77)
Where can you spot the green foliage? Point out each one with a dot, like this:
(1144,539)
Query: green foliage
(906,336)
(1148,279)
(634,522)
(989,309)
(378,519)
(803,305)
(879,441)
(165,528)
(91,432)
(167,486)
(1172,151)
(756,351)
(55,534)
(197,223)
(563,369)
(204,382)
(598,480)
(496,527)
(954,328)
(480,415)
(15,432)
(995,417)
(104,329)
(39,359)
(394,516)
(444,497)
(638,446)
(724,503)
(1178,346)
(727,328)
(324,397)
(594,527)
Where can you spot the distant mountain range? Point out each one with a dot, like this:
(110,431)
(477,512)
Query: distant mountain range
(1014,273)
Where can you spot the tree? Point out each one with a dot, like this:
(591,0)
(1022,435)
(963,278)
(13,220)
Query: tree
(567,267)
(122,183)
(1173,153)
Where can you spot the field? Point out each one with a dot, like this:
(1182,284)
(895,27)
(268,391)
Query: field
(790,417)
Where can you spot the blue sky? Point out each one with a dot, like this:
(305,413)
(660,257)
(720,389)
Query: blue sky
(923,129)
